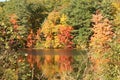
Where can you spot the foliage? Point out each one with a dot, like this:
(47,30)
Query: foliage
(30,39)
(99,45)
(102,31)
(50,30)
(80,65)
(60,24)
(79,13)
(57,35)
(65,37)
(36,15)
(30,15)
(12,34)
(55,4)
(8,65)
(13,66)
(1,10)
(17,7)
(117,19)
(113,67)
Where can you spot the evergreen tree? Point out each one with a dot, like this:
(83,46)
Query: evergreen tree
(17,7)
(79,14)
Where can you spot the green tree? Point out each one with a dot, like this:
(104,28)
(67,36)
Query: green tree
(17,7)
(36,15)
(29,13)
(79,14)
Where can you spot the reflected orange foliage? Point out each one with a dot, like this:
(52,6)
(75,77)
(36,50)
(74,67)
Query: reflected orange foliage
(65,63)
(48,59)
(33,59)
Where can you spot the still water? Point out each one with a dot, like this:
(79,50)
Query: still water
(51,64)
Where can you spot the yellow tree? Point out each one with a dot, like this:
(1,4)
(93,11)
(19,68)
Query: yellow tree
(50,30)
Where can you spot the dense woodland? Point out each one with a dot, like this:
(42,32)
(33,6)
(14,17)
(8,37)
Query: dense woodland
(92,26)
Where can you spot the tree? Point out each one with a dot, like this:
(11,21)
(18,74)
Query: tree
(36,16)
(79,13)
(99,46)
(17,7)
(30,14)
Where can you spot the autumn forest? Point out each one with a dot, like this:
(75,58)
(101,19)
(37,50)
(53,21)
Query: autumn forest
(60,40)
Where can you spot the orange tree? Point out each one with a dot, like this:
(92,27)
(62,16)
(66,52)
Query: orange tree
(99,46)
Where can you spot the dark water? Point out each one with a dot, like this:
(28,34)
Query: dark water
(52,62)
(53,51)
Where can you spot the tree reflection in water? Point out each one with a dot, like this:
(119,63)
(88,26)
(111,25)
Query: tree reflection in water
(48,63)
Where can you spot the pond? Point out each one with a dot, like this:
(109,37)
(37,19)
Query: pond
(53,64)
